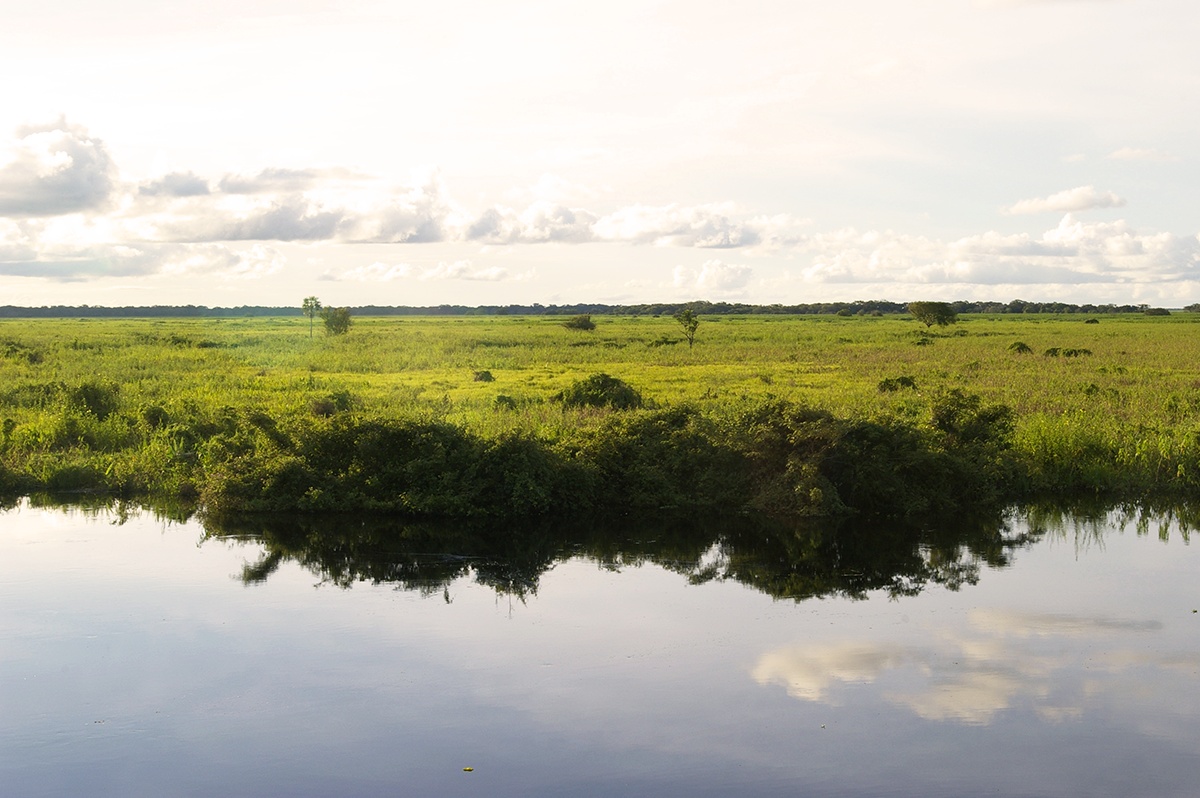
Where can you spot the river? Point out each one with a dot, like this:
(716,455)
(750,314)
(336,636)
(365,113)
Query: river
(1039,654)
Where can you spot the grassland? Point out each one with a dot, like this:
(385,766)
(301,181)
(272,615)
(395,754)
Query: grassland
(248,413)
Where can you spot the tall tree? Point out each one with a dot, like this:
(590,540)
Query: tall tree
(311,307)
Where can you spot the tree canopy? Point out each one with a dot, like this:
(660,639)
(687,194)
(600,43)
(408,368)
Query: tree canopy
(931,313)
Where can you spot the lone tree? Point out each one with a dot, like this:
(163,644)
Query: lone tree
(689,322)
(310,308)
(337,320)
(931,313)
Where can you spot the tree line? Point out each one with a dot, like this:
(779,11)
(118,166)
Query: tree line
(855,308)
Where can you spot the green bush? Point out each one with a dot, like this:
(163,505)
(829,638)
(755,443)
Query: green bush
(583,322)
(600,390)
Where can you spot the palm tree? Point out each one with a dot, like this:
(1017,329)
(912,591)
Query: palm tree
(310,308)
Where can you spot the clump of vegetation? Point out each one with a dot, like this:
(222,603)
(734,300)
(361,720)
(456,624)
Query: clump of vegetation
(600,390)
(583,322)
(1156,312)
(1056,351)
(15,350)
(1020,348)
(336,402)
(931,313)
(484,376)
(1092,321)
(337,320)
(893,384)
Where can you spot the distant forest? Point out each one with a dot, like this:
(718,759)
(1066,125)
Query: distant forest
(857,308)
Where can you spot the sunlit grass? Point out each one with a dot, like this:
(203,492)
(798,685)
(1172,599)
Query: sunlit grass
(1127,402)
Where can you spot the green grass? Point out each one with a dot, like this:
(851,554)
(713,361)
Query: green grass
(1122,420)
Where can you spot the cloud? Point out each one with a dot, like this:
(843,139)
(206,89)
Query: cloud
(463,270)
(375,273)
(176,184)
(55,169)
(275,179)
(714,277)
(1131,154)
(1083,198)
(1074,252)
(72,263)
(970,675)
(808,672)
(708,226)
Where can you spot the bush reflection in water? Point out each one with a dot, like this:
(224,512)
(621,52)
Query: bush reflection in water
(797,561)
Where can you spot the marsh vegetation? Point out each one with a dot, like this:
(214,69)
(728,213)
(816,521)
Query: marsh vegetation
(790,416)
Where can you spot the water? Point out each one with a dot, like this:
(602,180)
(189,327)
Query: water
(1054,657)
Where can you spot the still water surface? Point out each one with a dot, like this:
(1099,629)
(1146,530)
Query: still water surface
(1046,657)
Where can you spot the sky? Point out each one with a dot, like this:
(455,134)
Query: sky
(234,152)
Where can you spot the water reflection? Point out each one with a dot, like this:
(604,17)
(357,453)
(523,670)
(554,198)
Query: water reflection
(1001,659)
(1064,642)
(786,562)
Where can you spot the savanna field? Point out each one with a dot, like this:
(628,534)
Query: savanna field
(505,417)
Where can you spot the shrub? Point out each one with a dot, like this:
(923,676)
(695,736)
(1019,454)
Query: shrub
(1092,321)
(98,398)
(600,390)
(1157,312)
(1020,348)
(484,376)
(155,417)
(337,320)
(583,322)
(893,384)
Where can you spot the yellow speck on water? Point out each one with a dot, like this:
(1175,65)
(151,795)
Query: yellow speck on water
(467,770)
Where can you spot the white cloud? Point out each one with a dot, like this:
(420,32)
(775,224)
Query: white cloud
(463,270)
(1132,154)
(55,169)
(1083,198)
(377,273)
(70,263)
(713,279)
(971,675)
(1074,252)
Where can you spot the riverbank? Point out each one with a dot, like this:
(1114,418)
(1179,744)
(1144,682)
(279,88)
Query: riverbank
(508,418)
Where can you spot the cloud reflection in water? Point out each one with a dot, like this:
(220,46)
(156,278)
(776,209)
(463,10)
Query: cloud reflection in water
(1001,660)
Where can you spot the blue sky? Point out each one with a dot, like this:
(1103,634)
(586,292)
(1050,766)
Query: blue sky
(465,152)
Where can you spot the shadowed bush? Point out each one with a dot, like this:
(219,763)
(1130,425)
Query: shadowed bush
(600,390)
(583,322)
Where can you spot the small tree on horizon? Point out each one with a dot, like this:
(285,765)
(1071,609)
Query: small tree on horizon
(689,322)
(311,307)
(931,313)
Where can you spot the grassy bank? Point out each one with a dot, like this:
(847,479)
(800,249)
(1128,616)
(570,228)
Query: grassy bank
(472,417)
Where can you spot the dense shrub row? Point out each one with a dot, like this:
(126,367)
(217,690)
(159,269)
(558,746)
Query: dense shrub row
(780,458)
